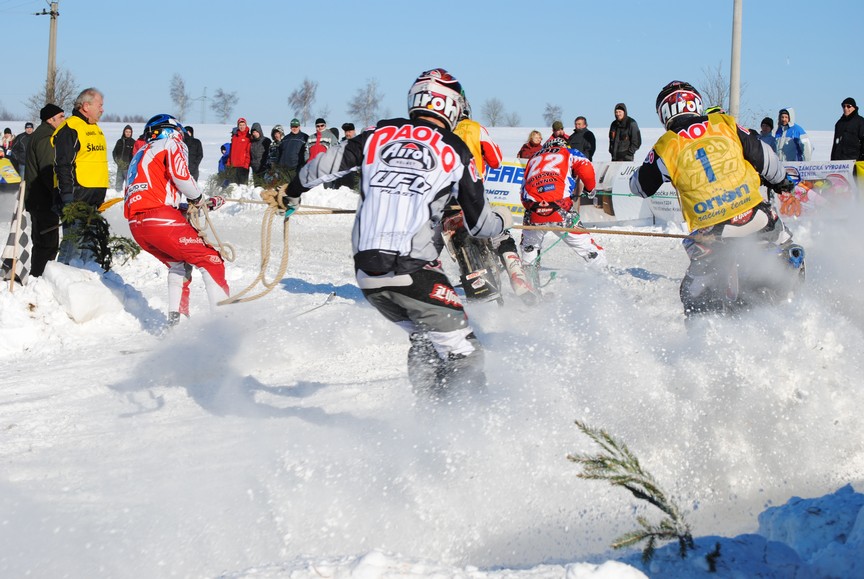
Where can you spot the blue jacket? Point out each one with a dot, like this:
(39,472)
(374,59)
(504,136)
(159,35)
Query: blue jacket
(793,144)
(223,161)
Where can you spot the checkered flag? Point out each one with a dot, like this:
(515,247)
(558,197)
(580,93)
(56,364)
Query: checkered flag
(19,246)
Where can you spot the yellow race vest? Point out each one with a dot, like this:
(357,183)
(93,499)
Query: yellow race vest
(706,164)
(91,161)
(469,131)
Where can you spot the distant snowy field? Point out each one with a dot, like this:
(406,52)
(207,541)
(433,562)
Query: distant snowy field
(254,442)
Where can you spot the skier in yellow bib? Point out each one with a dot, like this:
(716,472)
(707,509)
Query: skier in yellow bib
(715,165)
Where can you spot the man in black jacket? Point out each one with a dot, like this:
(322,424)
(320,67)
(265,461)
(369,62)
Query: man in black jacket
(39,193)
(196,151)
(122,154)
(624,135)
(19,149)
(582,139)
(848,134)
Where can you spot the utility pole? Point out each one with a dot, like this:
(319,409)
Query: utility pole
(52,50)
(735,67)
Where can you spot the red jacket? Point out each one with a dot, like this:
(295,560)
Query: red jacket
(547,185)
(241,149)
(527,151)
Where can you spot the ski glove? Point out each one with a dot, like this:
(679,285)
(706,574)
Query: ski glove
(504,214)
(784,186)
(277,198)
(215,202)
(198,202)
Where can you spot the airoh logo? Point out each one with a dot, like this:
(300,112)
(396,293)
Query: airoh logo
(409,155)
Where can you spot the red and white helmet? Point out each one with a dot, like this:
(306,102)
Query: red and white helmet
(678,99)
(436,93)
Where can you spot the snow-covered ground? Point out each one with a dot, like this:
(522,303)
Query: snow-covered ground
(260,441)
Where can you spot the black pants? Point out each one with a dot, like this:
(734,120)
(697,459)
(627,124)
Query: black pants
(45,232)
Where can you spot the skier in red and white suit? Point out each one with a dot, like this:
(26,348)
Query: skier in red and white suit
(158,176)
(546,196)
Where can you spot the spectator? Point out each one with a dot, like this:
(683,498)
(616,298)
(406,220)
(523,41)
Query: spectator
(259,151)
(766,134)
(241,153)
(558,132)
(81,165)
(277,133)
(19,148)
(582,139)
(531,146)
(122,154)
(624,140)
(6,142)
(320,141)
(39,192)
(224,168)
(292,149)
(350,180)
(848,134)
(793,144)
(196,152)
(624,135)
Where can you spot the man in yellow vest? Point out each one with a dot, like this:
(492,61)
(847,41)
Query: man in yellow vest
(716,167)
(81,162)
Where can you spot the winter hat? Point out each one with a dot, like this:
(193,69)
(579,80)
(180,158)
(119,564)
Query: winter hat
(849,101)
(768,121)
(621,107)
(557,126)
(241,120)
(277,129)
(320,121)
(783,112)
(28,125)
(347,126)
(295,122)
(189,130)
(48,111)
(7,131)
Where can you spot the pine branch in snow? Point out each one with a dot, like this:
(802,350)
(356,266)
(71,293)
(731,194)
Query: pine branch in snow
(620,467)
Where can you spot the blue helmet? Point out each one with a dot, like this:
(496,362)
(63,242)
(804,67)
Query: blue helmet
(162,126)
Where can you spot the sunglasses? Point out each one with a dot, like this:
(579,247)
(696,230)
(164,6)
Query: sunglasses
(848,107)
(320,126)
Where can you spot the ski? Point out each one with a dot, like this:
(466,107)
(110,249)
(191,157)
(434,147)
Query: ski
(326,301)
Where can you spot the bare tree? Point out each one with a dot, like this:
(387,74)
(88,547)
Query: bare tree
(302,98)
(552,113)
(512,120)
(364,106)
(493,111)
(65,91)
(223,103)
(179,96)
(4,113)
(715,88)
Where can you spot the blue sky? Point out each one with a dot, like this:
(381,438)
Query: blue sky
(582,56)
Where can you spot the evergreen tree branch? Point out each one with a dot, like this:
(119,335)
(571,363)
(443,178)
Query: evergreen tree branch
(620,467)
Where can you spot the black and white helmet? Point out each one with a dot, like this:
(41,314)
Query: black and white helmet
(436,93)
(555,143)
